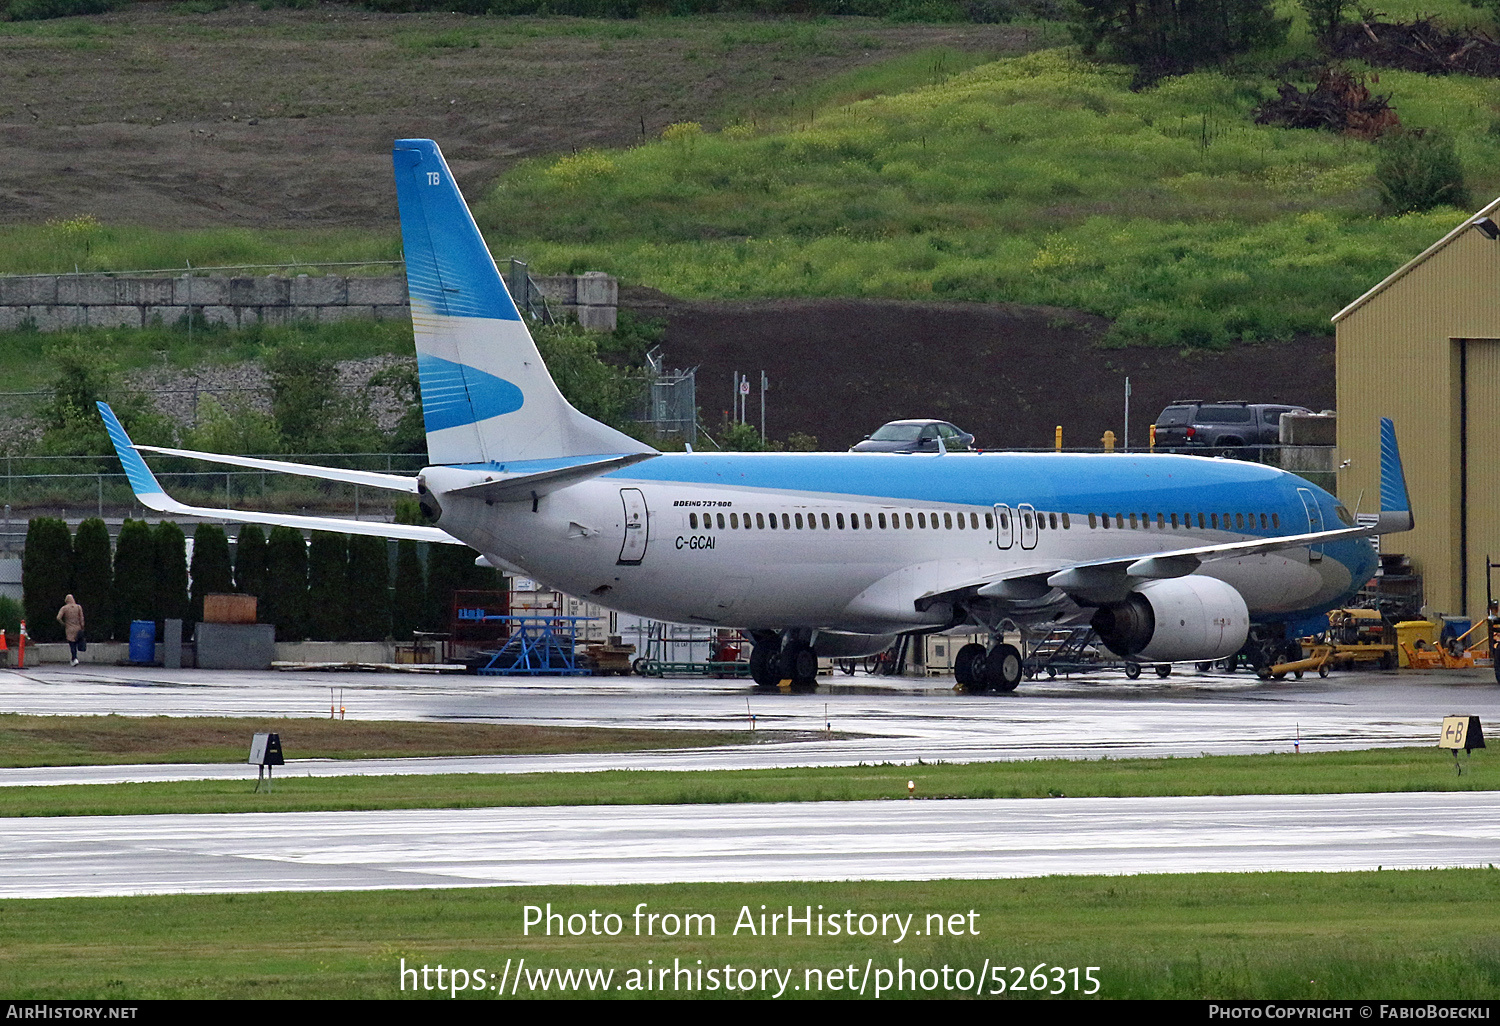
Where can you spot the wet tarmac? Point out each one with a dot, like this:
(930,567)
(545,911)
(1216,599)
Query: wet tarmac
(896,840)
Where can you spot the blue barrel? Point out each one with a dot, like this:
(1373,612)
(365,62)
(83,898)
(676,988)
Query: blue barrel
(1456,626)
(143,641)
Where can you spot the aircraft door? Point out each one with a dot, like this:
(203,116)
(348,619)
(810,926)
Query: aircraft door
(1005,526)
(1314,522)
(637,527)
(1027,516)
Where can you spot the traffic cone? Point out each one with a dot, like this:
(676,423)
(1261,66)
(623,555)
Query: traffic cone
(4,650)
(21,645)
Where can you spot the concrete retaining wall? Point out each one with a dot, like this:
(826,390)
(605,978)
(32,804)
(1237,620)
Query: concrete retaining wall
(63,301)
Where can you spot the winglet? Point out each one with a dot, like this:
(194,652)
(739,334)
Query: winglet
(142,481)
(1395,501)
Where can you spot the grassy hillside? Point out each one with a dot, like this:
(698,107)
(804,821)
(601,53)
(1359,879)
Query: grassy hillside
(1039,179)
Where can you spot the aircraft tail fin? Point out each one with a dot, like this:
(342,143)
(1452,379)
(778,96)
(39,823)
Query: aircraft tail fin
(486,394)
(1395,501)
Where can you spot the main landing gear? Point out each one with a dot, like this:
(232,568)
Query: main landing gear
(980,670)
(775,659)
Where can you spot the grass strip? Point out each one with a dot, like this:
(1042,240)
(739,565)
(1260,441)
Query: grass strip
(122,740)
(1408,934)
(1375,770)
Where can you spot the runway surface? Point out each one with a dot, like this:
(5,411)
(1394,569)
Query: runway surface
(897,840)
(904,719)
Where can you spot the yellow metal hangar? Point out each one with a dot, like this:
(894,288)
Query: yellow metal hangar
(1423,347)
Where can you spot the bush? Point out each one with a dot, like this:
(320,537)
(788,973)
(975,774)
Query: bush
(409,596)
(1418,170)
(46,576)
(285,600)
(37,10)
(210,567)
(171,575)
(135,576)
(250,561)
(369,593)
(327,587)
(93,587)
(1165,38)
(10,618)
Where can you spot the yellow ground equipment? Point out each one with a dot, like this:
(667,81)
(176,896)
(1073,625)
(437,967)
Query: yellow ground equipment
(1354,636)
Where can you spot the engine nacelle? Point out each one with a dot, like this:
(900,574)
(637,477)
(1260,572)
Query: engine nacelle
(1179,619)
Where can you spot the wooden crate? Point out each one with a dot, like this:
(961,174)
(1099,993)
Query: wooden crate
(223,608)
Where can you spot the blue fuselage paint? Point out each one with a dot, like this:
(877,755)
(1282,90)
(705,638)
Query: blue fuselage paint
(702,563)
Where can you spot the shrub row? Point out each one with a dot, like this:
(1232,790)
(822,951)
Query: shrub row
(337,588)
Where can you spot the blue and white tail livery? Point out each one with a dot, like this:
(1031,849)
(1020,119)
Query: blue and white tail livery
(486,395)
(1167,557)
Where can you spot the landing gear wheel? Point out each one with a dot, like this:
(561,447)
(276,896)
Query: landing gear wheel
(979,679)
(799,664)
(967,664)
(1133,670)
(1164,670)
(1003,668)
(765,665)
(1203,667)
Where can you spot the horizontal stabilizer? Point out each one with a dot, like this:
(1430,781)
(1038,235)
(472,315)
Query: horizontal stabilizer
(151,495)
(370,479)
(519,486)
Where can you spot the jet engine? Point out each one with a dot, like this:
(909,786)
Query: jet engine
(1182,618)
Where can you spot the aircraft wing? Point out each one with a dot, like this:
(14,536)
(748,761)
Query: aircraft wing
(390,482)
(151,494)
(1110,580)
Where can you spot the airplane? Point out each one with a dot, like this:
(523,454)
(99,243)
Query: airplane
(1169,557)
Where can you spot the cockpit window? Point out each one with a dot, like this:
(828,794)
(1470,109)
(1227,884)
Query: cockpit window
(1344,514)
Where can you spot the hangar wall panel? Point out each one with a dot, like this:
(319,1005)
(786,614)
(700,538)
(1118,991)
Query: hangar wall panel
(1397,357)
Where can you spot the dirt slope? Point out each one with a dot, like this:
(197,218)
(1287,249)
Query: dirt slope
(1010,374)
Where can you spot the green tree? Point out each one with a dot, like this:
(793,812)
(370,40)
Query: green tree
(410,432)
(233,427)
(171,575)
(210,566)
(250,561)
(93,584)
(1419,169)
(409,596)
(1325,18)
(71,425)
(135,576)
(312,413)
(1172,37)
(595,388)
(369,590)
(327,586)
(285,600)
(46,576)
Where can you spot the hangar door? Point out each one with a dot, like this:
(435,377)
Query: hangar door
(1479,466)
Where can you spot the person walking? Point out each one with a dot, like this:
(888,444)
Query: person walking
(71,617)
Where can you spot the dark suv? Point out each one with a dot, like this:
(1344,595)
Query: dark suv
(1227,424)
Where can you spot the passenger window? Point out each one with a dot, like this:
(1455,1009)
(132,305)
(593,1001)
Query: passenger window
(812,521)
(1161,522)
(771,521)
(760,521)
(1262,521)
(1066,524)
(1275,521)
(908,521)
(869,525)
(746,523)
(1239,521)
(1120,521)
(974,521)
(1174,520)
(1005,521)
(1093,522)
(734,520)
(921,519)
(839,519)
(1026,520)
(1200,520)
(692,521)
(934,521)
(721,521)
(881,520)
(826,525)
(1133,524)
(948,521)
(798,521)
(1214,517)
(962,522)
(1041,521)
